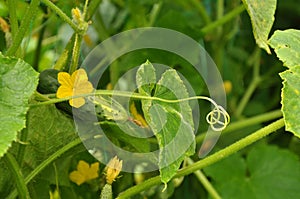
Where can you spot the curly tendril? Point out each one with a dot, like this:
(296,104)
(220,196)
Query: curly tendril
(218,118)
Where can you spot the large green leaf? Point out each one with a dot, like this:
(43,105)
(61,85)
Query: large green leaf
(172,123)
(18,81)
(287,46)
(290,99)
(268,172)
(261,13)
(48,130)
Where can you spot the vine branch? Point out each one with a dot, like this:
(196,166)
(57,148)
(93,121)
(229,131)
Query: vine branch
(257,135)
(218,118)
(13,166)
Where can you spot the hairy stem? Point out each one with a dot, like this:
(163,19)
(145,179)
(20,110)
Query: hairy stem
(75,53)
(13,166)
(257,135)
(62,15)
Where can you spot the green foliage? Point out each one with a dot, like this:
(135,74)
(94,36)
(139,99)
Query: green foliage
(290,99)
(18,82)
(172,124)
(262,17)
(48,149)
(287,46)
(3,9)
(47,131)
(266,172)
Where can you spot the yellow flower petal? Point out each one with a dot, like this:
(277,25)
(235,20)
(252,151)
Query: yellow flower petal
(82,166)
(77,177)
(84,172)
(83,88)
(93,171)
(64,91)
(65,79)
(76,84)
(79,76)
(77,102)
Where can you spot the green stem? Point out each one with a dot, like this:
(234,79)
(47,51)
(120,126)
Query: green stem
(220,9)
(256,79)
(28,16)
(123,94)
(94,4)
(100,28)
(226,18)
(21,147)
(62,62)
(154,13)
(46,162)
(75,53)
(220,13)
(13,18)
(205,182)
(62,15)
(39,46)
(257,135)
(245,123)
(199,6)
(13,166)
(114,73)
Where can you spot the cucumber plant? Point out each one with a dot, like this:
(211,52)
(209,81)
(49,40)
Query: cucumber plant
(43,153)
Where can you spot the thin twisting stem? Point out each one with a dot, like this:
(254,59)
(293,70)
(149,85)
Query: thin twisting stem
(218,118)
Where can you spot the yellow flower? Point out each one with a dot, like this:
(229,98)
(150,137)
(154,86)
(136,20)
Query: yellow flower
(77,16)
(72,85)
(114,167)
(84,172)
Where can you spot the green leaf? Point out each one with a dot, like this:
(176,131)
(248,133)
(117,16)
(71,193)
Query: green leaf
(172,123)
(18,81)
(261,13)
(47,131)
(291,99)
(268,172)
(287,46)
(139,144)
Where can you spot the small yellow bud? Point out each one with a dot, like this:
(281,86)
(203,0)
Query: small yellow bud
(113,169)
(76,14)
(227,86)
